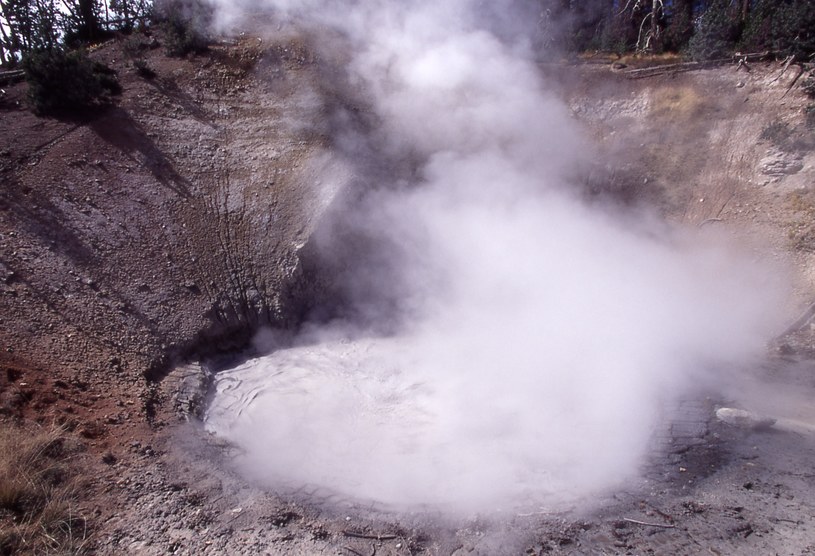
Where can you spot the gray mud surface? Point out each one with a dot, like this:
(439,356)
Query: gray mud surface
(709,487)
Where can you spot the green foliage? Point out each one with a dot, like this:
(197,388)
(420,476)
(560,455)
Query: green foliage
(28,26)
(82,22)
(793,29)
(33,25)
(143,69)
(131,13)
(717,32)
(185,24)
(678,32)
(703,29)
(60,82)
(182,38)
(134,48)
(786,27)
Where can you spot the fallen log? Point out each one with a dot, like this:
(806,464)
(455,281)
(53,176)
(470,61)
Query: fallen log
(12,76)
(673,68)
(651,71)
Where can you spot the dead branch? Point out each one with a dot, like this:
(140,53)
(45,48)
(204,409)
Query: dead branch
(12,76)
(753,56)
(627,4)
(646,524)
(795,80)
(740,58)
(709,221)
(664,67)
(677,67)
(356,535)
(787,63)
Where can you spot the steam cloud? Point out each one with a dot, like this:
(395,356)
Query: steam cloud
(540,337)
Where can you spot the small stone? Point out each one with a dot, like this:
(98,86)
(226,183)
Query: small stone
(743,419)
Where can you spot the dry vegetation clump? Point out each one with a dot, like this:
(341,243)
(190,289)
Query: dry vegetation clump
(38,487)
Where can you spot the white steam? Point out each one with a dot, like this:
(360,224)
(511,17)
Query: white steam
(540,337)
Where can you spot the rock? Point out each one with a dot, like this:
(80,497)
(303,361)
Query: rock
(743,419)
(192,287)
(778,165)
(6,274)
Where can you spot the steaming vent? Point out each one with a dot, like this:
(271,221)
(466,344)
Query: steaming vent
(502,341)
(339,423)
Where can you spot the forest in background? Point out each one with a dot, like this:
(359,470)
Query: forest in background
(697,29)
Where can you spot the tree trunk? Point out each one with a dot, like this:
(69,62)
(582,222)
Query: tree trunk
(655,9)
(6,52)
(126,14)
(89,19)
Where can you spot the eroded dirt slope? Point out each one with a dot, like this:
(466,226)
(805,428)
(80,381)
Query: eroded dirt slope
(163,222)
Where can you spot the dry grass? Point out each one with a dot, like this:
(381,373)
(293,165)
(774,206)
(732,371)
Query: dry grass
(38,491)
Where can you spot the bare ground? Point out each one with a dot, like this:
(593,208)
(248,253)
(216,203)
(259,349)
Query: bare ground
(166,228)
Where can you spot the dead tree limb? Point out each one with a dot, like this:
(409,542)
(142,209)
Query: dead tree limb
(646,524)
(709,221)
(356,535)
(753,56)
(12,76)
(672,68)
(787,63)
(795,80)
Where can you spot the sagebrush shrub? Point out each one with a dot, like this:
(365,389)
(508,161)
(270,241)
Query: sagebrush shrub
(61,82)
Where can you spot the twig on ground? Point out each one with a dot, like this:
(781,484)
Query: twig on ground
(796,522)
(646,524)
(352,551)
(356,535)
(709,221)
